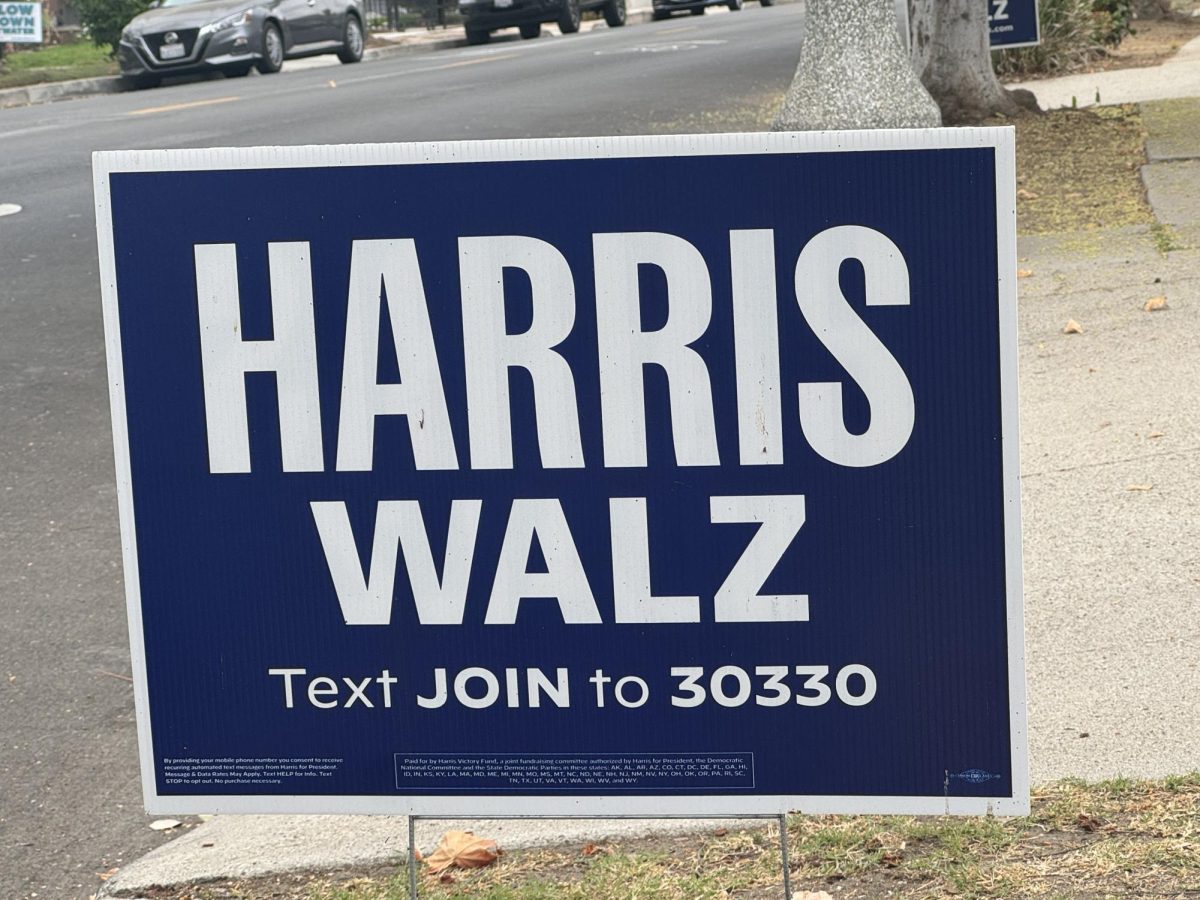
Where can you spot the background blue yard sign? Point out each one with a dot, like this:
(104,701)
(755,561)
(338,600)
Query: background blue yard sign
(641,475)
(1013,23)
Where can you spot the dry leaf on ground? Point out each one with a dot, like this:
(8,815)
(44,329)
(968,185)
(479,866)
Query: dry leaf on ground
(1024,273)
(1155,434)
(1140,487)
(1072,327)
(1154,304)
(165,824)
(462,849)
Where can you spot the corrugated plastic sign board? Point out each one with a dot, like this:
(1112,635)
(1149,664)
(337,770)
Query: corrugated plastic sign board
(577,477)
(20,22)
(1013,23)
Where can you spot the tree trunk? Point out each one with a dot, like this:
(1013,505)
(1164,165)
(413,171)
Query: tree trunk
(854,72)
(920,32)
(951,47)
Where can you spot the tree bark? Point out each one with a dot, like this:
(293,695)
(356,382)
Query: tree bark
(954,59)
(920,32)
(854,72)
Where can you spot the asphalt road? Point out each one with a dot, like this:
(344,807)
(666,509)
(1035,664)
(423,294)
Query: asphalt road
(70,801)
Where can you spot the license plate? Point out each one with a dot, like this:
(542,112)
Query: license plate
(175,51)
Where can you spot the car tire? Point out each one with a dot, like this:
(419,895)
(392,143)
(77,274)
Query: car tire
(734,5)
(237,71)
(767,2)
(697,10)
(352,40)
(569,18)
(531,31)
(614,13)
(478,36)
(271,60)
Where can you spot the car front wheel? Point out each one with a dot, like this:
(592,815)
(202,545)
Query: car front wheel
(734,5)
(568,19)
(478,35)
(352,41)
(614,13)
(271,60)
(697,10)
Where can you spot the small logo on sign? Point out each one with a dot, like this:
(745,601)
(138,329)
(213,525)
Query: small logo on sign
(975,776)
(170,38)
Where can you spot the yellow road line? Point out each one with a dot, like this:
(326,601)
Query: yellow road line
(174,106)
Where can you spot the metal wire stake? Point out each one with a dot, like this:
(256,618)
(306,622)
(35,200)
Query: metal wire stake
(412,857)
(783,851)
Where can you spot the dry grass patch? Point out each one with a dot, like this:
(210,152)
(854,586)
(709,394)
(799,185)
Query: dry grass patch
(1119,838)
(1079,170)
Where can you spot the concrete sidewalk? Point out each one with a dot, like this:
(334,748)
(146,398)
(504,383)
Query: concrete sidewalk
(1178,77)
(1110,449)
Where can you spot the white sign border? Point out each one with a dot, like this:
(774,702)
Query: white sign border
(1002,140)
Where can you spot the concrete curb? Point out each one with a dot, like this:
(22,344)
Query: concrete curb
(49,92)
(59,90)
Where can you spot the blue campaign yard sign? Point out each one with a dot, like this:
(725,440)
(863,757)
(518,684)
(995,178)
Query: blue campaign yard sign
(1013,23)
(599,476)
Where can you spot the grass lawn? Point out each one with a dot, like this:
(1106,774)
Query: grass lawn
(61,62)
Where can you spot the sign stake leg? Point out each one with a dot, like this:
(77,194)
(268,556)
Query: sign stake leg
(783,852)
(412,857)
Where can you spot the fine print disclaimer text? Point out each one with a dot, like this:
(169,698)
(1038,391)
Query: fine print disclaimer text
(577,771)
(233,770)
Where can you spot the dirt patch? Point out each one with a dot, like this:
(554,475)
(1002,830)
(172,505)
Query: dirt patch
(1153,42)
(1079,170)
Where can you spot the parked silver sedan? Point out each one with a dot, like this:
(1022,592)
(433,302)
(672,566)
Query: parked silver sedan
(179,37)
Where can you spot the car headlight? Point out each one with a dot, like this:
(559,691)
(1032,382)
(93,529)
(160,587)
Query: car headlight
(242,18)
(129,36)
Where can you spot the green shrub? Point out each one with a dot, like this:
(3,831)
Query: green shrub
(1074,32)
(1113,20)
(1068,41)
(104,19)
